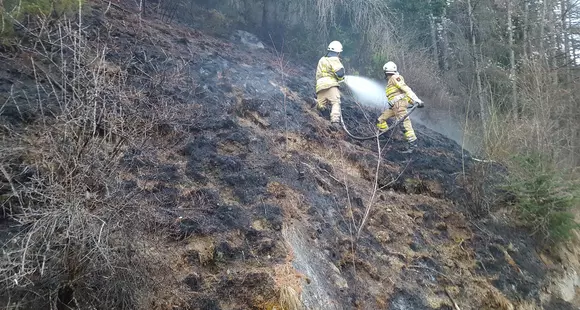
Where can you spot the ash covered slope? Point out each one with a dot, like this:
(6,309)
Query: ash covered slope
(251,196)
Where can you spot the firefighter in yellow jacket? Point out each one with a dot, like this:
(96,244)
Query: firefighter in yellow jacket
(399,96)
(329,73)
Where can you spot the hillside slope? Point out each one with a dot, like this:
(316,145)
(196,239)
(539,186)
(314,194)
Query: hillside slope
(245,198)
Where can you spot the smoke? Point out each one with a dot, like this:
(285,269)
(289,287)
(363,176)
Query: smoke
(450,126)
(367,92)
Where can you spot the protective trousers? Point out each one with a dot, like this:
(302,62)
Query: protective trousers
(398,111)
(332,96)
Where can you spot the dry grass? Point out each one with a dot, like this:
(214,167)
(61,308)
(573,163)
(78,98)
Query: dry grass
(289,299)
(289,283)
(79,228)
(528,305)
(496,300)
(532,128)
(292,202)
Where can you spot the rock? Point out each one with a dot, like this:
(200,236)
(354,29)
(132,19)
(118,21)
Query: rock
(404,299)
(558,304)
(334,268)
(340,282)
(248,39)
(259,225)
(568,285)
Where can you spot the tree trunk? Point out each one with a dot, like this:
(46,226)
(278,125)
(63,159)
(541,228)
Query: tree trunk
(141,9)
(542,37)
(435,48)
(564,6)
(571,39)
(553,47)
(556,32)
(482,107)
(2,22)
(445,48)
(526,29)
(513,80)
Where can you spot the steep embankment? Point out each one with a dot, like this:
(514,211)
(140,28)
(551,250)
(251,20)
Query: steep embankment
(250,198)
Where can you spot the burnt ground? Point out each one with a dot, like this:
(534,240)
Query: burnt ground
(252,192)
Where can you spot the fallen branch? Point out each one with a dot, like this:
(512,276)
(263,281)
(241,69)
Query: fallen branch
(117,6)
(322,169)
(483,160)
(9,179)
(375,189)
(451,298)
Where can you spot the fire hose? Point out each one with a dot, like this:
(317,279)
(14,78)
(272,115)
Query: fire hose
(377,135)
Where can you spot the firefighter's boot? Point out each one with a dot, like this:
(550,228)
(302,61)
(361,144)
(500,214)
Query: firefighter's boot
(411,147)
(335,126)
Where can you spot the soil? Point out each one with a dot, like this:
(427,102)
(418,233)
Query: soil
(254,192)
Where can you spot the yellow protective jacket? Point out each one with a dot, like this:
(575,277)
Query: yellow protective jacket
(397,90)
(326,73)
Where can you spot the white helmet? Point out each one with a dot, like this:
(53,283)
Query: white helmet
(335,46)
(390,67)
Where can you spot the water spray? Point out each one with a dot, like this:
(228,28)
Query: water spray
(367,92)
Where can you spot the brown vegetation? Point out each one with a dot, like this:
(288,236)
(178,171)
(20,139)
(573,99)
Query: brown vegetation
(77,226)
(130,185)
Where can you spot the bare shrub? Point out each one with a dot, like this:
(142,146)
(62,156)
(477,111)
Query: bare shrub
(79,242)
(536,140)
(481,183)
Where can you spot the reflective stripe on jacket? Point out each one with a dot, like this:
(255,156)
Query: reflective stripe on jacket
(397,90)
(326,73)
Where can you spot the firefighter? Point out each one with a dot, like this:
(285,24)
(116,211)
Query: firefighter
(329,73)
(399,96)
